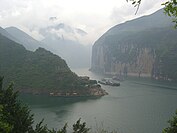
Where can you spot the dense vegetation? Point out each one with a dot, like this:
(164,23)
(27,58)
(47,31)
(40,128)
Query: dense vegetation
(39,70)
(16,117)
(173,125)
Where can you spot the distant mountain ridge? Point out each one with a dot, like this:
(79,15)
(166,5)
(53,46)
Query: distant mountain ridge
(27,41)
(68,29)
(77,55)
(8,35)
(63,40)
(155,20)
(138,47)
(42,72)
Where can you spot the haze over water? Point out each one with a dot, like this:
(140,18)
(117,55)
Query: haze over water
(137,106)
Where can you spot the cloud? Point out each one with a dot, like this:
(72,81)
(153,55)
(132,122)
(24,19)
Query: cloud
(150,6)
(119,15)
(93,16)
(127,11)
(63,31)
(53,18)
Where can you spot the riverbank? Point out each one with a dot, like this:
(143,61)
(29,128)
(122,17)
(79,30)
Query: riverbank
(129,104)
(81,88)
(96,91)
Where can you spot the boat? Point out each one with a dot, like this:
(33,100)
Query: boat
(109,81)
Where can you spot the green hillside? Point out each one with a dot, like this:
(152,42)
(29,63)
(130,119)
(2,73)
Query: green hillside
(33,69)
(39,71)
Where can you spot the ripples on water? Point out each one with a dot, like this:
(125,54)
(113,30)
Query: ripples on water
(137,106)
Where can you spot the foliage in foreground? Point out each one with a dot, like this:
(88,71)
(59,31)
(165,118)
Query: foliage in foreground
(173,125)
(170,8)
(16,118)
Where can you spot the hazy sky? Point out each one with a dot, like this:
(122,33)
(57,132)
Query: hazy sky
(93,16)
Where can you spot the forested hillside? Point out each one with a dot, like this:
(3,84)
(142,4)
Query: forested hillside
(40,71)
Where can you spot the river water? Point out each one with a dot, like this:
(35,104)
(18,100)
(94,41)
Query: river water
(137,106)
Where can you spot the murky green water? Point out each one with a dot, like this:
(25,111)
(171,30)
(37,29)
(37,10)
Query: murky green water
(137,106)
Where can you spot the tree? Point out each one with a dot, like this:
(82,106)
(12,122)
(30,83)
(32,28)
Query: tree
(13,113)
(170,8)
(4,127)
(79,127)
(16,117)
(173,125)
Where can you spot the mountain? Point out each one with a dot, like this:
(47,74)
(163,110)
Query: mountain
(75,54)
(81,32)
(42,72)
(23,38)
(63,40)
(65,29)
(6,34)
(143,46)
(57,39)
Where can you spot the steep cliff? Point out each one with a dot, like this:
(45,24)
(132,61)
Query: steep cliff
(136,47)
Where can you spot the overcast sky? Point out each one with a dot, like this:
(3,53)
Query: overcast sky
(93,16)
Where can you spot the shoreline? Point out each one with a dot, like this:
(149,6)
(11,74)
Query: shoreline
(88,92)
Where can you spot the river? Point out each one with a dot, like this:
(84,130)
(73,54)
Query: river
(136,106)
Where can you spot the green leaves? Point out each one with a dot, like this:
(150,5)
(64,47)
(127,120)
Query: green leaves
(16,116)
(4,126)
(1,81)
(40,128)
(171,10)
(173,125)
(79,127)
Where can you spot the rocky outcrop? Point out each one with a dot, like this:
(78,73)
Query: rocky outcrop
(138,64)
(139,47)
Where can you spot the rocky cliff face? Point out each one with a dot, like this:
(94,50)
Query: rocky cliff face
(137,47)
(137,63)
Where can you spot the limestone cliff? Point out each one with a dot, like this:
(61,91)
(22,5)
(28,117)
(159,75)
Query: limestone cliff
(136,47)
(140,63)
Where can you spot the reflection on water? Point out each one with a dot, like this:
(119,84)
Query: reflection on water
(137,106)
(44,101)
(53,109)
